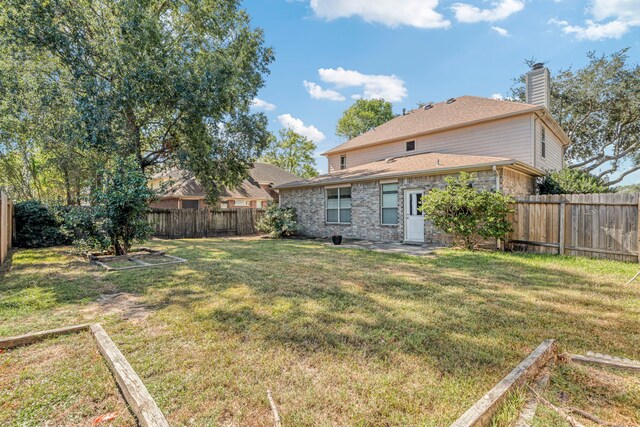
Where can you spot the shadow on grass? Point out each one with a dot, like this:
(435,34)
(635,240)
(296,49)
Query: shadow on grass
(460,312)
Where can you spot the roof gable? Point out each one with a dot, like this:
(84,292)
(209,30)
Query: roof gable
(463,111)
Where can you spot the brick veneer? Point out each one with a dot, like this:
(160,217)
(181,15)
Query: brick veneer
(366,224)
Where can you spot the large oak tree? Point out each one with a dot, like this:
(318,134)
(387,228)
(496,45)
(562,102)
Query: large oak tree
(167,81)
(598,106)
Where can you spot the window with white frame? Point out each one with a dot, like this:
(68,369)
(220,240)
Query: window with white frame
(343,162)
(241,203)
(410,146)
(339,205)
(389,203)
(259,204)
(543,142)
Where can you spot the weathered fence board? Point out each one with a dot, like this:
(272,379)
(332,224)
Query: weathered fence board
(592,225)
(194,223)
(6,225)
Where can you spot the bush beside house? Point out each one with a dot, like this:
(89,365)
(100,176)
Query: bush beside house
(279,222)
(467,214)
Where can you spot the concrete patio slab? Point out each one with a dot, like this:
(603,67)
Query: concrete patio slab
(389,247)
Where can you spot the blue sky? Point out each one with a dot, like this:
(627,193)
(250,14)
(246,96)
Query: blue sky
(328,52)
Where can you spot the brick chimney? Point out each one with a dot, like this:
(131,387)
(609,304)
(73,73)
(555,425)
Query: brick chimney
(538,90)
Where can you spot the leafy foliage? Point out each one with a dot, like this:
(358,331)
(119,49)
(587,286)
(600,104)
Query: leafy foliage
(362,116)
(598,106)
(292,152)
(571,181)
(467,214)
(37,226)
(168,82)
(121,202)
(83,228)
(279,222)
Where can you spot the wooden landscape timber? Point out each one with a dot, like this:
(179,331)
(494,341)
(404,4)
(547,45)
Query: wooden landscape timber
(137,396)
(479,415)
(135,393)
(134,257)
(606,360)
(33,337)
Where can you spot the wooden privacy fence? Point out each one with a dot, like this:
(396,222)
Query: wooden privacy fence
(186,223)
(6,225)
(592,225)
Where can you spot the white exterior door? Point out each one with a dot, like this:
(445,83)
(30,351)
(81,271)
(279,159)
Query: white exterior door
(413,218)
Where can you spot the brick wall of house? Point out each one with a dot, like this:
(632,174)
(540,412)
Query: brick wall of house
(365,208)
(165,204)
(517,183)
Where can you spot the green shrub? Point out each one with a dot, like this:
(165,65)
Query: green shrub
(571,181)
(37,226)
(467,214)
(82,227)
(121,206)
(279,222)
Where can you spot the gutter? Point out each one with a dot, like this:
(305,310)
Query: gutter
(442,171)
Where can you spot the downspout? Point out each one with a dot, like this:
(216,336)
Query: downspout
(495,170)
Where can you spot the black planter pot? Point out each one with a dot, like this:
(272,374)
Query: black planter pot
(336,240)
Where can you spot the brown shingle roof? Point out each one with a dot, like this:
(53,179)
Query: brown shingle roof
(463,111)
(417,164)
(249,188)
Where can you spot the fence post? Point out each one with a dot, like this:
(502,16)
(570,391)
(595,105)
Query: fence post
(638,244)
(561,232)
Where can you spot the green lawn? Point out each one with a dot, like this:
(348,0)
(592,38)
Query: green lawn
(340,336)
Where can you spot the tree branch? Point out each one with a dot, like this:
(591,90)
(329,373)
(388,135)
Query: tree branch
(622,176)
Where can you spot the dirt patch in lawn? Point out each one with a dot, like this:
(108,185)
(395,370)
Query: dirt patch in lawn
(127,305)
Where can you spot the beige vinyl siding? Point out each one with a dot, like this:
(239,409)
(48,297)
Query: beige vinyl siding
(509,138)
(553,154)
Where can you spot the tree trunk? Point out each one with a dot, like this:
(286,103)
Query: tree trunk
(67,186)
(118,248)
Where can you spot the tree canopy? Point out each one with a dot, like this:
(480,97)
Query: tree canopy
(292,152)
(168,82)
(598,106)
(362,116)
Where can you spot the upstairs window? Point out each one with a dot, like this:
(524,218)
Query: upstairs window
(410,146)
(389,204)
(343,162)
(543,142)
(339,205)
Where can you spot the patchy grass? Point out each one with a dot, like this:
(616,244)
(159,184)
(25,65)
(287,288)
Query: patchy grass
(340,336)
(62,382)
(613,395)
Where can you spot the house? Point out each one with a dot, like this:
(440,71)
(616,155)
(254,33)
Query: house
(375,182)
(257,191)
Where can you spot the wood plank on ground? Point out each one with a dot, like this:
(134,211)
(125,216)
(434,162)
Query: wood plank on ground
(481,412)
(26,339)
(604,359)
(135,393)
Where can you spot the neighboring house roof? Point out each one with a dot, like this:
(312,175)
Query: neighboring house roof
(416,164)
(272,174)
(248,189)
(463,111)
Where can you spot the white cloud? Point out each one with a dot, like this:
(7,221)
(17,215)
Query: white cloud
(623,15)
(502,9)
(502,31)
(317,92)
(413,13)
(261,104)
(311,132)
(388,87)
(497,96)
